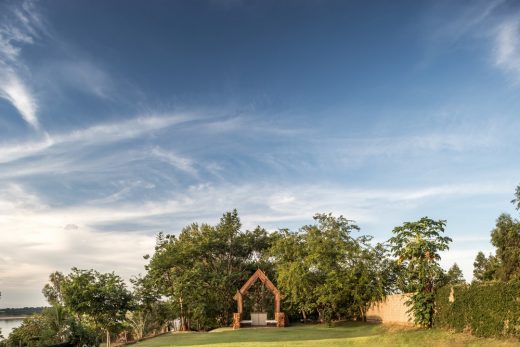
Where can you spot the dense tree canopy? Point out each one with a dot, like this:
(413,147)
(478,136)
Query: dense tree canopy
(202,268)
(56,324)
(102,297)
(323,268)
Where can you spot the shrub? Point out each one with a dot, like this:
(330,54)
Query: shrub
(482,309)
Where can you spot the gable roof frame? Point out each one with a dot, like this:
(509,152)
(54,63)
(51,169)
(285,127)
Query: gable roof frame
(258,275)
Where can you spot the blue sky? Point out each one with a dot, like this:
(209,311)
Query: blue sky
(120,119)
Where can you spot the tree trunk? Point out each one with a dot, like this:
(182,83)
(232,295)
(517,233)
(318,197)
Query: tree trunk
(108,338)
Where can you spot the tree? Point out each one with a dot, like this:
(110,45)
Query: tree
(416,245)
(150,313)
(324,269)
(53,290)
(506,238)
(53,326)
(455,275)
(201,269)
(516,200)
(103,297)
(484,269)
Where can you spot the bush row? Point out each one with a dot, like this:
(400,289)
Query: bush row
(482,309)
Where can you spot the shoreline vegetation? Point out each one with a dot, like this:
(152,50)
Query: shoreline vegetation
(13,317)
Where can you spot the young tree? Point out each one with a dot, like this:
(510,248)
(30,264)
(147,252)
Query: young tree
(484,269)
(454,276)
(52,291)
(506,238)
(101,296)
(416,245)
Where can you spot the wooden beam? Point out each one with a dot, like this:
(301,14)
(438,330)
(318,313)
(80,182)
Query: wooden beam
(240,303)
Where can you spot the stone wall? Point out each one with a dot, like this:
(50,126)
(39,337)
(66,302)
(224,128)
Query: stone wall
(392,310)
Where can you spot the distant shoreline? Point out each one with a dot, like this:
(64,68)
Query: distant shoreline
(13,317)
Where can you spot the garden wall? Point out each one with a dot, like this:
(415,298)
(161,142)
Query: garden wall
(482,309)
(392,310)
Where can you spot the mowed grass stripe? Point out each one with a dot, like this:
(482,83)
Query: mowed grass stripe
(345,334)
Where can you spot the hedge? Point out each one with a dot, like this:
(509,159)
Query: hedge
(482,309)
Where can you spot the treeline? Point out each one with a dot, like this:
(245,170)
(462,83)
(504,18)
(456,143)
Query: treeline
(22,311)
(328,270)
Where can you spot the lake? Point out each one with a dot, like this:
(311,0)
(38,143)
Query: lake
(6,325)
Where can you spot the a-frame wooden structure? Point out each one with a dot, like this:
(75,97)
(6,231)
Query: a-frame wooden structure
(239,298)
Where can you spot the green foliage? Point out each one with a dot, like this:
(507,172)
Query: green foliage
(416,245)
(485,268)
(201,269)
(52,326)
(52,291)
(149,314)
(455,275)
(506,238)
(323,268)
(482,309)
(516,200)
(101,297)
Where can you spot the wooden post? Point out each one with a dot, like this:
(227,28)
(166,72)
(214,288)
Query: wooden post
(277,303)
(237,317)
(240,302)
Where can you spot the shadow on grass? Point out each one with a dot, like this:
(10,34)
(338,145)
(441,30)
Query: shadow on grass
(294,333)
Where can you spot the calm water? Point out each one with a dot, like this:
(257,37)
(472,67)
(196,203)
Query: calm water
(7,325)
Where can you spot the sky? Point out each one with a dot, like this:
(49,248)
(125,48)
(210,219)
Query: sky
(122,119)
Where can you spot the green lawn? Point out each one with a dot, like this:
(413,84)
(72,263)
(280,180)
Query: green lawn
(346,334)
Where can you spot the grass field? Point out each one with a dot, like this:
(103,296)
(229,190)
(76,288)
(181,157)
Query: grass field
(346,334)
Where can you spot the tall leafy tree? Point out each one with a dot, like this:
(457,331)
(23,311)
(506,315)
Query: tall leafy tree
(323,268)
(103,297)
(201,269)
(506,238)
(52,291)
(293,273)
(416,245)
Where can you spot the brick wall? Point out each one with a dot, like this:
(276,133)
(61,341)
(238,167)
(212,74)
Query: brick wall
(392,310)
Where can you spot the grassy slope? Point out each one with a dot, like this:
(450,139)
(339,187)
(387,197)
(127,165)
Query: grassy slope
(349,334)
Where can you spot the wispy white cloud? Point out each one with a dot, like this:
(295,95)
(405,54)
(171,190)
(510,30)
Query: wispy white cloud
(507,46)
(14,90)
(19,27)
(79,74)
(175,160)
(95,135)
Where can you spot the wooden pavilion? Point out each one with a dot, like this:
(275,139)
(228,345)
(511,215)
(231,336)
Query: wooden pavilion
(258,319)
